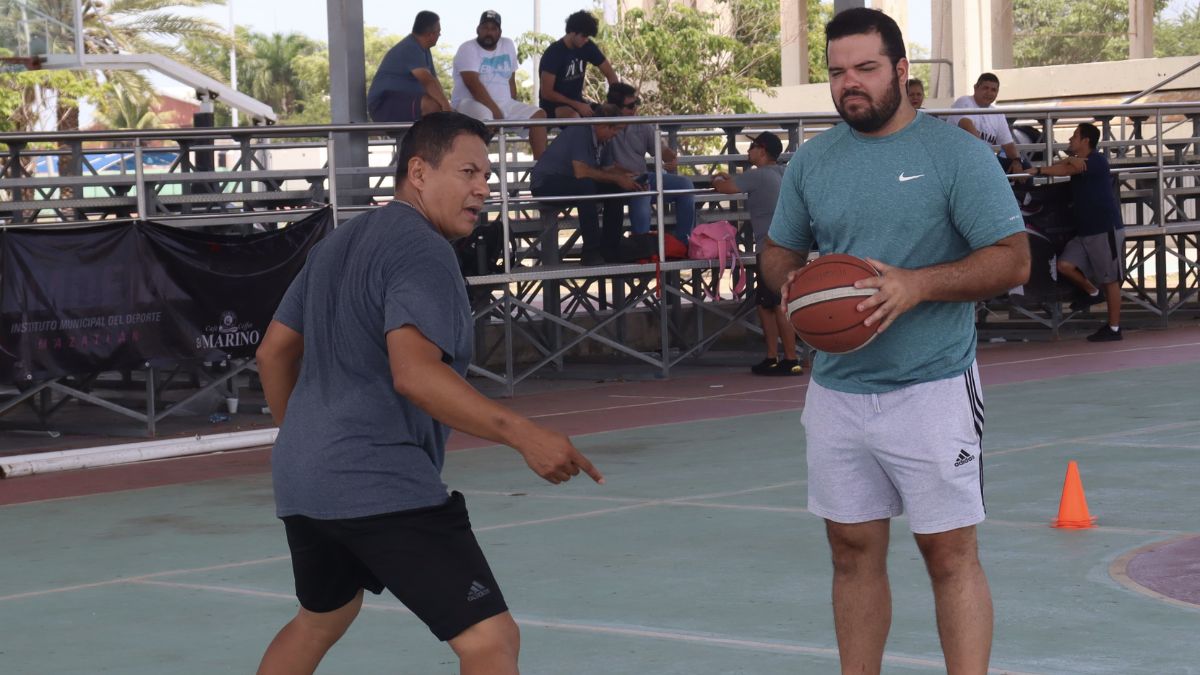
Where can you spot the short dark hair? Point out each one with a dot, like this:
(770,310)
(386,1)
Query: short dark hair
(583,23)
(619,91)
(425,22)
(863,21)
(916,81)
(987,77)
(608,110)
(433,136)
(1091,133)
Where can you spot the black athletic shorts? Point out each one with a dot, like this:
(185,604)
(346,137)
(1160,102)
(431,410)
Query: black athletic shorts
(428,558)
(765,296)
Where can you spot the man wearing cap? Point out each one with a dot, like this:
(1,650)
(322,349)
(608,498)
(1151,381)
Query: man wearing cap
(406,86)
(485,84)
(629,150)
(563,66)
(761,185)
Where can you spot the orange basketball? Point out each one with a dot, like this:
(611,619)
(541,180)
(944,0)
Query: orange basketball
(822,303)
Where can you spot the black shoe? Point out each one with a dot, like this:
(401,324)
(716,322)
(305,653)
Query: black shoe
(788,367)
(765,366)
(1106,334)
(1083,301)
(592,258)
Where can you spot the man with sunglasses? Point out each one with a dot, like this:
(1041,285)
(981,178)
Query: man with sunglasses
(629,151)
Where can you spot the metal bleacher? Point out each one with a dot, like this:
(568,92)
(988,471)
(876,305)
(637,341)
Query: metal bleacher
(535,306)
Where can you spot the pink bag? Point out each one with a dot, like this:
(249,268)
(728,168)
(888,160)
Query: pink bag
(718,241)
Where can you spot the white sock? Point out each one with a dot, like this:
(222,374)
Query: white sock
(1095,293)
(1115,329)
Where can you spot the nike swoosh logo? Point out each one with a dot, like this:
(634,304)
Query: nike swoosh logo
(905,179)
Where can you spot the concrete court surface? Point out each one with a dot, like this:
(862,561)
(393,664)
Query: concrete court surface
(697,557)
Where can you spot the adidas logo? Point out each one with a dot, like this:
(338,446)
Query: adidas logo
(477,591)
(963,458)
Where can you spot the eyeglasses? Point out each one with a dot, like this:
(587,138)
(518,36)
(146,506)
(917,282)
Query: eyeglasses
(632,105)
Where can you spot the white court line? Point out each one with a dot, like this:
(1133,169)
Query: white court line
(691,637)
(1088,354)
(1163,446)
(261,561)
(1095,437)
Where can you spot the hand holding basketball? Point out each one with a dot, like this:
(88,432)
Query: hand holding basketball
(899,290)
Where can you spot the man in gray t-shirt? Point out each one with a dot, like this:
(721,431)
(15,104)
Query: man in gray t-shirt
(363,370)
(406,86)
(630,150)
(761,185)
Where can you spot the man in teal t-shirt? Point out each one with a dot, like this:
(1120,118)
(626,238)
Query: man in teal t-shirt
(896,426)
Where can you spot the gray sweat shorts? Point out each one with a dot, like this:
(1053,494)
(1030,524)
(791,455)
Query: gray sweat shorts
(1100,257)
(913,450)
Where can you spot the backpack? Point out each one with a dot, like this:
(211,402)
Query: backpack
(718,241)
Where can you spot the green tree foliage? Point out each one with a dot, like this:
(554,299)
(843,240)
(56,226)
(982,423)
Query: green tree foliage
(123,109)
(1051,32)
(1179,36)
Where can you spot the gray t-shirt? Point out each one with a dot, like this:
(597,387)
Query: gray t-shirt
(350,446)
(395,71)
(761,186)
(573,144)
(630,147)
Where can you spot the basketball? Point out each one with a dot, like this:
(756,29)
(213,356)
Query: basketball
(822,303)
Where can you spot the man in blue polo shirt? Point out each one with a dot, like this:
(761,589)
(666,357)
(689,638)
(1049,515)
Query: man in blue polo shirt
(896,426)
(576,165)
(1097,253)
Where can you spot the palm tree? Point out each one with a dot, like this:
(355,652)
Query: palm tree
(123,109)
(273,76)
(128,27)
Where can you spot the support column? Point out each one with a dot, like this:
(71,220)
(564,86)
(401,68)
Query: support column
(348,90)
(1002,34)
(962,33)
(1141,29)
(842,5)
(793,23)
(898,10)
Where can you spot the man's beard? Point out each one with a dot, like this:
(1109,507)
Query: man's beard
(877,114)
(488,42)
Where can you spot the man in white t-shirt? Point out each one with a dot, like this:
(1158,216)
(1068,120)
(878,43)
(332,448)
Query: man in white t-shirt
(991,129)
(485,83)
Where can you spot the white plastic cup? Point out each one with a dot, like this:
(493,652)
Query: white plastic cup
(231,404)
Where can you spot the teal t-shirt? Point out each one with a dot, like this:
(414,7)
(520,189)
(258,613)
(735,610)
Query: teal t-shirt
(930,193)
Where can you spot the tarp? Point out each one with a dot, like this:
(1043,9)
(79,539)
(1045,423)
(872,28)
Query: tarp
(115,297)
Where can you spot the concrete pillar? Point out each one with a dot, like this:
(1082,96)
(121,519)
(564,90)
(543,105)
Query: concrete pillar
(1141,29)
(1002,33)
(348,89)
(898,10)
(962,33)
(842,5)
(793,34)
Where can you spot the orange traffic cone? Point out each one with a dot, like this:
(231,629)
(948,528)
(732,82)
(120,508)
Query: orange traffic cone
(1073,509)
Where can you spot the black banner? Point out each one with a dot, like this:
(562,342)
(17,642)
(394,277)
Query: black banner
(113,297)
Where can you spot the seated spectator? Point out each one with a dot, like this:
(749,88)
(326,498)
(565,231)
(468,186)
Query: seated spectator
(761,185)
(485,83)
(1096,256)
(406,86)
(563,66)
(991,129)
(916,93)
(574,165)
(629,151)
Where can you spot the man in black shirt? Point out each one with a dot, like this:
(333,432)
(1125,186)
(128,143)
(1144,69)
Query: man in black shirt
(564,64)
(1096,256)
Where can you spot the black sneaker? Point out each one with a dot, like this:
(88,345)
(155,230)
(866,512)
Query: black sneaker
(1106,334)
(1083,301)
(592,259)
(788,367)
(765,367)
